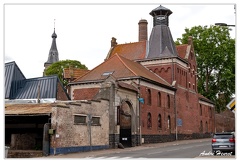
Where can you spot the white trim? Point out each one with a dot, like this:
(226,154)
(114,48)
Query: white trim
(205,103)
(153,86)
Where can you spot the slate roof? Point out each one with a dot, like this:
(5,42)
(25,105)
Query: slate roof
(159,9)
(53,52)
(13,79)
(132,51)
(47,86)
(120,67)
(161,43)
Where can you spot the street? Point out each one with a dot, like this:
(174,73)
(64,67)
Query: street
(200,148)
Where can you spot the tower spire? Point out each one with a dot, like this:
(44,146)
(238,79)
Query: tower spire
(53,52)
(161,43)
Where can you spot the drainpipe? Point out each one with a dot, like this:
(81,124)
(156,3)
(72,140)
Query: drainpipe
(89,129)
(175,108)
(140,128)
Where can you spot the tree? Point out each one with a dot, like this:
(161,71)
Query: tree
(215,53)
(57,68)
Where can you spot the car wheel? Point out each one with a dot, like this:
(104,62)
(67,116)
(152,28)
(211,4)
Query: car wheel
(214,152)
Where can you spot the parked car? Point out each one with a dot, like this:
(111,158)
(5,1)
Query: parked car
(223,143)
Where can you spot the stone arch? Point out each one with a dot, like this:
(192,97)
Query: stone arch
(125,121)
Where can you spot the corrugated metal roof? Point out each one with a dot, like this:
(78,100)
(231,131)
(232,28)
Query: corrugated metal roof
(47,86)
(28,109)
(18,87)
(13,79)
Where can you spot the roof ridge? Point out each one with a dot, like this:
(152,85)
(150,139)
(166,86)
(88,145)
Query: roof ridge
(120,57)
(131,42)
(92,69)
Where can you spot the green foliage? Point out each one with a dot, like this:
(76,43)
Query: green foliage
(215,53)
(57,68)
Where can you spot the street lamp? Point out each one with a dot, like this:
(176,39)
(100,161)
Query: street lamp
(224,24)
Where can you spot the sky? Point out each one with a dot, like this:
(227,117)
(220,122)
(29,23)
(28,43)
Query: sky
(84,30)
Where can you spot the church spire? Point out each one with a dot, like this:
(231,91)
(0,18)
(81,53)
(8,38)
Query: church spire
(53,52)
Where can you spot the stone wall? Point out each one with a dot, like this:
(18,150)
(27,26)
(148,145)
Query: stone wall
(70,136)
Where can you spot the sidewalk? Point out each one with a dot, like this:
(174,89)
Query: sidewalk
(143,146)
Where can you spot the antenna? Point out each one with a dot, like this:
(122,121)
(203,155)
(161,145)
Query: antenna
(54,24)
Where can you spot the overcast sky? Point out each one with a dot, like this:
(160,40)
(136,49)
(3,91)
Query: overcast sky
(84,31)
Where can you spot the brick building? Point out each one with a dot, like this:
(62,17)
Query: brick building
(151,86)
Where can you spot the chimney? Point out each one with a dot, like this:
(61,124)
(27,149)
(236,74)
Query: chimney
(142,29)
(113,42)
(190,41)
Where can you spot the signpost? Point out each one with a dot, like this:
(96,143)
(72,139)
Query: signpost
(231,105)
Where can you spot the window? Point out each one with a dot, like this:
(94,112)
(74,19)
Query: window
(149,98)
(201,127)
(210,112)
(107,73)
(200,109)
(206,126)
(95,120)
(169,122)
(149,120)
(159,99)
(80,119)
(159,121)
(168,101)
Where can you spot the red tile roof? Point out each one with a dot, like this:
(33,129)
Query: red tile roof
(120,67)
(75,72)
(181,49)
(132,51)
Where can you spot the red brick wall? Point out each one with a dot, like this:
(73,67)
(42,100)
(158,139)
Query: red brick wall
(225,121)
(155,110)
(165,71)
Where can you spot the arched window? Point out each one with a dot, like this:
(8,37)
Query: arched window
(159,121)
(149,120)
(200,109)
(159,101)
(169,122)
(206,126)
(210,112)
(168,101)
(201,127)
(149,98)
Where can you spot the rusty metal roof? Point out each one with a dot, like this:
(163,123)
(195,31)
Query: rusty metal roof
(28,109)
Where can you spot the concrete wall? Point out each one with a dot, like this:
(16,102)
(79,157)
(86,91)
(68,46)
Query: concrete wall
(74,137)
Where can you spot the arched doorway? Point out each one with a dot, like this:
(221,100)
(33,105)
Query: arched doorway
(125,124)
